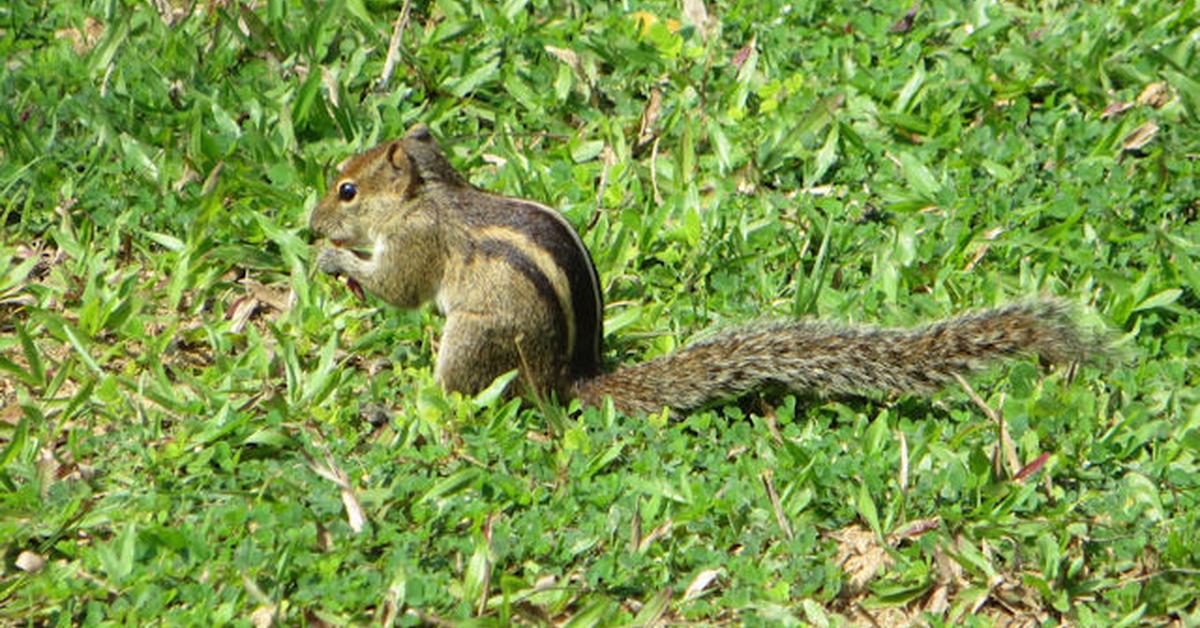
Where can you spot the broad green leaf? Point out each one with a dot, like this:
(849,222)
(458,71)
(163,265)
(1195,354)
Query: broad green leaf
(488,397)
(483,72)
(867,510)
(456,482)
(919,177)
(166,240)
(1159,299)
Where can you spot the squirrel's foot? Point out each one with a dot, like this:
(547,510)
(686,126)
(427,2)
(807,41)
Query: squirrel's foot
(341,262)
(335,261)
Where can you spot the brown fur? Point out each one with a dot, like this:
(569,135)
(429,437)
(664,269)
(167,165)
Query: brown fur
(516,287)
(519,290)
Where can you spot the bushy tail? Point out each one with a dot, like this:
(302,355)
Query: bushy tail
(832,359)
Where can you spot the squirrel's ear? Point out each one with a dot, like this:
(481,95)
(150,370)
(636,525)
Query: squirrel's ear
(419,132)
(405,168)
(397,157)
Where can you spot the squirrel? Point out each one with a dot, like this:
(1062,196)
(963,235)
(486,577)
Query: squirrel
(519,290)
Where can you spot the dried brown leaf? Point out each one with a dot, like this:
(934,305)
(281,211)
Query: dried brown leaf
(1114,109)
(700,583)
(1140,136)
(915,529)
(355,515)
(83,40)
(939,601)
(743,53)
(566,55)
(280,298)
(356,289)
(214,177)
(1031,468)
(240,312)
(571,58)
(186,178)
(173,13)
(1155,95)
(324,538)
(313,620)
(11,414)
(860,555)
(646,130)
(657,533)
(904,24)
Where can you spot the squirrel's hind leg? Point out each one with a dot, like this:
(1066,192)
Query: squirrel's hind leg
(474,352)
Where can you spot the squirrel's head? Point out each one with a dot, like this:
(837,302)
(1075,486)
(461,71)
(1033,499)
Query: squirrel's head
(379,182)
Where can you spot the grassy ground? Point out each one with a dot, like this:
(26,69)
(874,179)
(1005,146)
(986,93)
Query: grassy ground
(193,425)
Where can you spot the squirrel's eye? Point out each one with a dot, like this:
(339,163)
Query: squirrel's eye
(347,191)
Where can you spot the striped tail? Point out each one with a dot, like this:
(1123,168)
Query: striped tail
(831,359)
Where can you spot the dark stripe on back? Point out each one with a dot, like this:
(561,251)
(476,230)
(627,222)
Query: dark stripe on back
(575,261)
(541,284)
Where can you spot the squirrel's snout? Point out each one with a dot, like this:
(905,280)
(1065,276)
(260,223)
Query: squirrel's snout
(321,224)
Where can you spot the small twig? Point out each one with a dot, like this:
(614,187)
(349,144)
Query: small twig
(977,399)
(355,515)
(655,534)
(389,64)
(780,517)
(526,373)
(1162,572)
(1006,445)
(635,526)
(608,158)
(658,199)
(768,413)
(98,581)
(488,525)
(983,250)
(553,412)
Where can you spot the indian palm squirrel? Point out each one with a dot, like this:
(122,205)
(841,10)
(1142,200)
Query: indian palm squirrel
(519,291)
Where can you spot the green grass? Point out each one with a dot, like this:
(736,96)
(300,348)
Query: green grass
(185,404)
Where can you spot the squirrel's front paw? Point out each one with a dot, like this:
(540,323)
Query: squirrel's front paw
(333,261)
